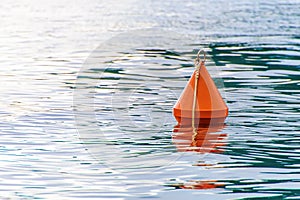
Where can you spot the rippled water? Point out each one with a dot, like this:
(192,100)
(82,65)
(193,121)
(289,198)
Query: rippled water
(87,90)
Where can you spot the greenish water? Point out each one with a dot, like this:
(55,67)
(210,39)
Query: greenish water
(88,89)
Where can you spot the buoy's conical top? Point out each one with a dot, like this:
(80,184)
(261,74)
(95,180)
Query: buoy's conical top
(209,103)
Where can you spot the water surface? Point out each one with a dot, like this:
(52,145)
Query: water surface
(118,143)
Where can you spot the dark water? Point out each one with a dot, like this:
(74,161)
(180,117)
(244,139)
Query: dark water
(87,90)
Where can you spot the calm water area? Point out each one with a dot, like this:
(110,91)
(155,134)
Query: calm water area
(87,90)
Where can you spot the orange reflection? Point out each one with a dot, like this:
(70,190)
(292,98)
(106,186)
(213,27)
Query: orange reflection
(202,140)
(201,185)
(205,139)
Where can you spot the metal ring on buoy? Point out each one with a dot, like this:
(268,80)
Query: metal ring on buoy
(199,60)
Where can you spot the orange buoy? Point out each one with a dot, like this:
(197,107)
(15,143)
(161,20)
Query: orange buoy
(200,102)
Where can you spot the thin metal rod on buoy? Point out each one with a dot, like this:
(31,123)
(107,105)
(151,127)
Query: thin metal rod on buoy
(198,63)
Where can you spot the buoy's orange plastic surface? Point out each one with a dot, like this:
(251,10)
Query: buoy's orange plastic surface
(210,107)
